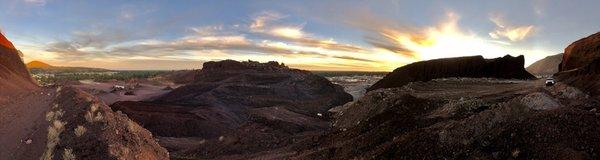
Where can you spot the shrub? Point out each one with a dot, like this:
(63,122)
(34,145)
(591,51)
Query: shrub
(54,131)
(80,130)
(68,154)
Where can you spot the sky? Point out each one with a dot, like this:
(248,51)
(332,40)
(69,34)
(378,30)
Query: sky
(343,35)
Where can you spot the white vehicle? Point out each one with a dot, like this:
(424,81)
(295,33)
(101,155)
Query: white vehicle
(550,81)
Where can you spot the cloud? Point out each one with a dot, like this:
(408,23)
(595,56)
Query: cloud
(262,19)
(264,38)
(512,33)
(35,2)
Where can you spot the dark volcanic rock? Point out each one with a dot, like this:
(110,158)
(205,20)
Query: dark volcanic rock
(14,76)
(546,66)
(581,52)
(506,67)
(240,107)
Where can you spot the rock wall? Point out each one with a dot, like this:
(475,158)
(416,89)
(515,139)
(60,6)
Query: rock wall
(581,52)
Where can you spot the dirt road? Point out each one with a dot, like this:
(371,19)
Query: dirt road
(23,128)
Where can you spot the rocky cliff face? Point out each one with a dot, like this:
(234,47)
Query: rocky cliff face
(581,65)
(506,67)
(14,77)
(240,108)
(546,66)
(581,52)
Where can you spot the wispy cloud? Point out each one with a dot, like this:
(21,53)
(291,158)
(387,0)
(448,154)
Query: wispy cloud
(505,30)
(35,2)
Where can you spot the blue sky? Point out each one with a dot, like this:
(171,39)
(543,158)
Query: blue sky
(314,35)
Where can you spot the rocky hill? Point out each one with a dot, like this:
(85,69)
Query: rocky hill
(581,52)
(240,108)
(14,77)
(546,66)
(506,67)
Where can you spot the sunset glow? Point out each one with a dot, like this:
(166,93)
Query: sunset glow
(375,37)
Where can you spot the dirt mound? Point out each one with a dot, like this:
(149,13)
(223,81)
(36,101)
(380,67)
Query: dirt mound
(83,127)
(546,66)
(581,52)
(14,77)
(437,120)
(506,67)
(240,108)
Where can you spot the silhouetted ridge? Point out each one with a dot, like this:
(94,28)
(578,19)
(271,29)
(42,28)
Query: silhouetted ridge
(506,67)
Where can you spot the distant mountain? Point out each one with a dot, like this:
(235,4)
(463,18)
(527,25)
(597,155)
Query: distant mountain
(546,66)
(39,66)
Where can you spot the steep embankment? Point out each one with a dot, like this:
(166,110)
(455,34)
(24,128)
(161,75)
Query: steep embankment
(581,65)
(506,67)
(239,108)
(14,77)
(546,66)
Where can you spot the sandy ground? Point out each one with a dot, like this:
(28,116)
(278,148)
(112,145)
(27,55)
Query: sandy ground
(103,90)
(23,127)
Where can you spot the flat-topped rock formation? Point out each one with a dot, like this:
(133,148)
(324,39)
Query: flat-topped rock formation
(506,67)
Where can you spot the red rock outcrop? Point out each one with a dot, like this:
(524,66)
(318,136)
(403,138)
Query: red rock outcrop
(14,76)
(580,66)
(506,67)
(581,52)
(240,108)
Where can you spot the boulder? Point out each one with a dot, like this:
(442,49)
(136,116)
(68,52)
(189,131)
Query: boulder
(581,52)
(506,67)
